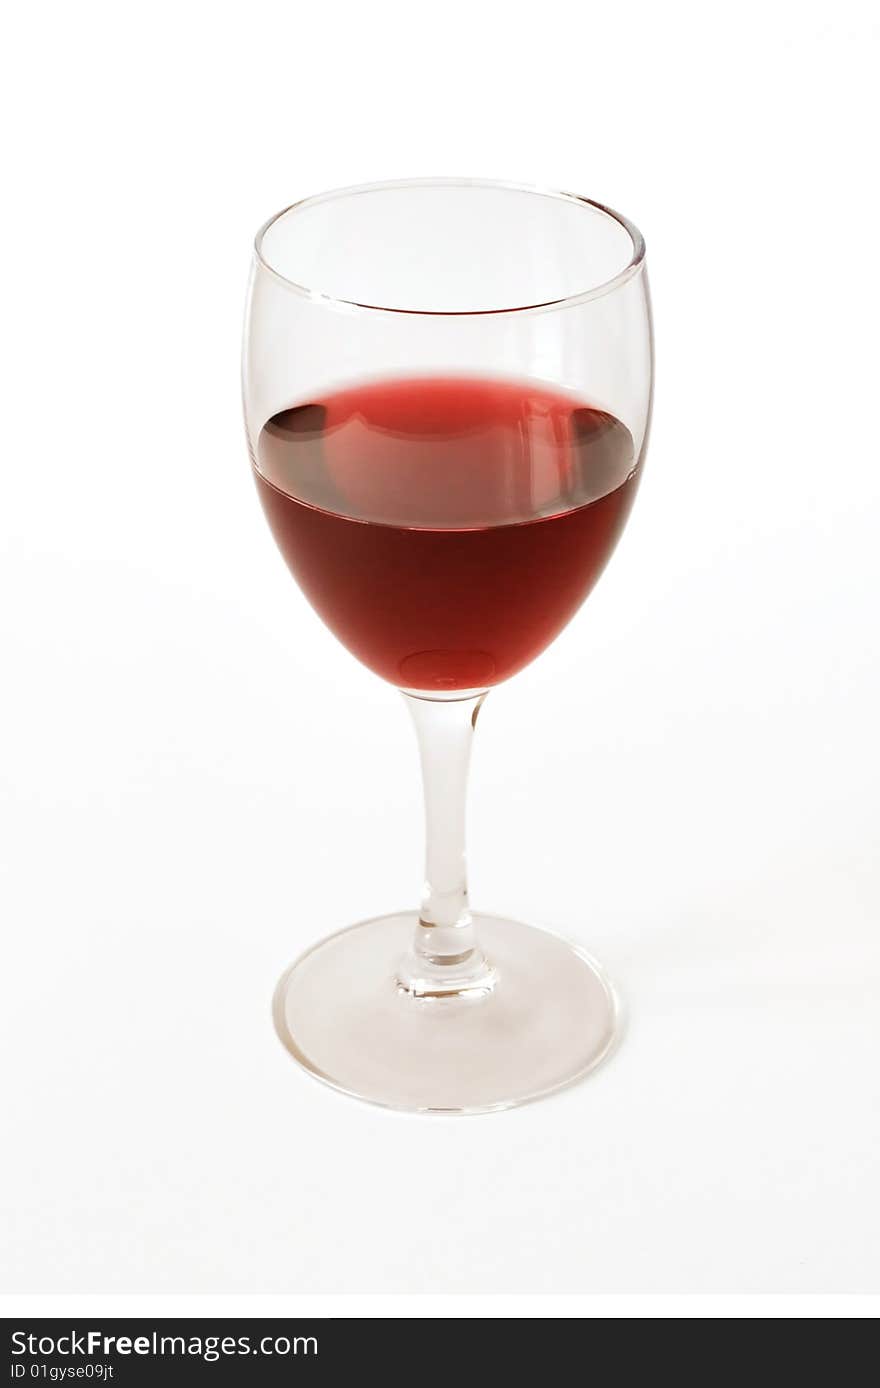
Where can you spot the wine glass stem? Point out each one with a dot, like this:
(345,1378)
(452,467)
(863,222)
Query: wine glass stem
(445,957)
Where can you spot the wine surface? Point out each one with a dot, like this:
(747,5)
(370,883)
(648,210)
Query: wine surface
(446,530)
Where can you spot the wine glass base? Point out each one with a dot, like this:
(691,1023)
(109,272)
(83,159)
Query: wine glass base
(549,1020)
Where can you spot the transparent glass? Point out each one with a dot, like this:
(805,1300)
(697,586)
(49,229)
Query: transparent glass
(447,391)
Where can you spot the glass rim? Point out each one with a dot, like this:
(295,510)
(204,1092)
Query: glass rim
(582,296)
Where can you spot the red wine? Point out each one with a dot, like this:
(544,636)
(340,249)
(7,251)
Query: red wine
(446,530)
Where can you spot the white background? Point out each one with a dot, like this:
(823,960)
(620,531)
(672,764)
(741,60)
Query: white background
(197,781)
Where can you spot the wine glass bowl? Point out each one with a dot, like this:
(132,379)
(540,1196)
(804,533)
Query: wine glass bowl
(447,391)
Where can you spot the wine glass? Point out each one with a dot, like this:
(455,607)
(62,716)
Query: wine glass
(447,392)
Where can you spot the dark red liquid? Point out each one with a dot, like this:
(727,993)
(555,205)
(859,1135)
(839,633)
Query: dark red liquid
(446,530)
